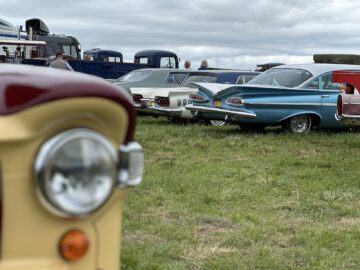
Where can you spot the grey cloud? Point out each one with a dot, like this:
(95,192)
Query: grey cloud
(227,32)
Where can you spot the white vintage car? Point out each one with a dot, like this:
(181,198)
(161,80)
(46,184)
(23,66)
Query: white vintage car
(171,102)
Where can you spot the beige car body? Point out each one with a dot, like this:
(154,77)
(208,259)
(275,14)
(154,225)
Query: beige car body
(29,232)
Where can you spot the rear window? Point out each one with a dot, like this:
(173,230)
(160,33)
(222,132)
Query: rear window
(285,77)
(243,79)
(176,78)
(198,78)
(135,76)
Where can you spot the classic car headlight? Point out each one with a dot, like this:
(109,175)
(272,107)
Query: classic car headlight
(76,172)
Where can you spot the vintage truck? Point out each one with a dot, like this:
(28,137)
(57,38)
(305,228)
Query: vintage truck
(110,64)
(68,159)
(102,63)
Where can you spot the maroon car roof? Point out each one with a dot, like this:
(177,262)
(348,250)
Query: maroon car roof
(23,86)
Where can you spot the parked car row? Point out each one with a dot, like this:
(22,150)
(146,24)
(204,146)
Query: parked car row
(295,97)
(171,101)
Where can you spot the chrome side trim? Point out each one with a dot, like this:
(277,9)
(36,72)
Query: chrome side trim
(220,111)
(291,104)
(131,164)
(349,116)
(283,104)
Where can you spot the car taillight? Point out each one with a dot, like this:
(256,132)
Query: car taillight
(196,97)
(162,101)
(235,101)
(339,105)
(137,98)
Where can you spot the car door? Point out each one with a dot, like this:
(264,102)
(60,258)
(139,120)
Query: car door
(329,92)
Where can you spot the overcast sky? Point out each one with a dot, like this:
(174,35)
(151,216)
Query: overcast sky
(228,33)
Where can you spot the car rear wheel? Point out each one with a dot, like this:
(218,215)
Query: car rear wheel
(299,124)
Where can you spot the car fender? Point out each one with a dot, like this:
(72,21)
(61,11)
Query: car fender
(311,113)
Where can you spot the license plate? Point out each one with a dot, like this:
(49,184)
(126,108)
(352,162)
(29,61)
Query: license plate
(150,103)
(217,103)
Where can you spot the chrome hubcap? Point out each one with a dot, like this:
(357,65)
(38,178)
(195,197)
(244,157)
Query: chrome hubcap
(217,123)
(300,124)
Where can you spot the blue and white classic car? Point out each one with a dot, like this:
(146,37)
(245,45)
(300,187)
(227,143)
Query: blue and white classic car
(296,97)
(171,101)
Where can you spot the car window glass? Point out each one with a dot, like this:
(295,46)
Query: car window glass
(134,76)
(167,62)
(198,78)
(314,84)
(282,77)
(328,84)
(244,79)
(112,59)
(143,60)
(176,78)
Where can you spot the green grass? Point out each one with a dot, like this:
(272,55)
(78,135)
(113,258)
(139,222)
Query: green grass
(219,198)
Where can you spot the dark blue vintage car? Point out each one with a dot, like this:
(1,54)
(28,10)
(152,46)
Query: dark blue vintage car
(296,97)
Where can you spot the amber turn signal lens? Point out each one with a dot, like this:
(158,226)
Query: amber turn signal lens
(73,245)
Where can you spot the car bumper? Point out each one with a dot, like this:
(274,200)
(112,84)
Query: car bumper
(228,113)
(145,108)
(351,120)
(167,111)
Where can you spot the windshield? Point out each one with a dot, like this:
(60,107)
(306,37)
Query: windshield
(285,77)
(134,76)
(198,78)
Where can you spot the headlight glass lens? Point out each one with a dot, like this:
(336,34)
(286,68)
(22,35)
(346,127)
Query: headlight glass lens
(76,172)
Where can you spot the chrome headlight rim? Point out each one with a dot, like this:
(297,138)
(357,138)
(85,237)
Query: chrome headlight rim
(44,158)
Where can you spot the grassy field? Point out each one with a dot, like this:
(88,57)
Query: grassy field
(219,198)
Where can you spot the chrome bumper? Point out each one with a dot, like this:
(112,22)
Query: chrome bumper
(167,111)
(145,103)
(353,120)
(228,113)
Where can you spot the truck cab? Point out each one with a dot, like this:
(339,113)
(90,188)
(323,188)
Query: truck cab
(67,162)
(36,29)
(157,59)
(110,65)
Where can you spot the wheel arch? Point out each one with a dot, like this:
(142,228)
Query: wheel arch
(315,117)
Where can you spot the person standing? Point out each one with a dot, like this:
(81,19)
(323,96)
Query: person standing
(187,65)
(60,63)
(204,65)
